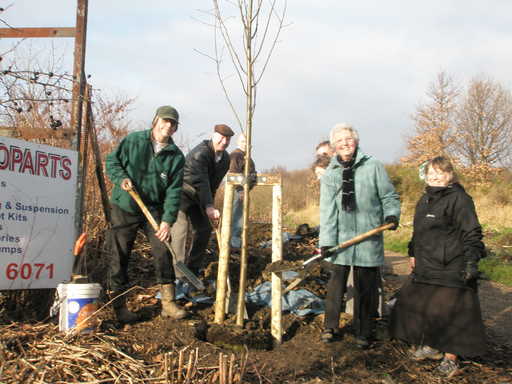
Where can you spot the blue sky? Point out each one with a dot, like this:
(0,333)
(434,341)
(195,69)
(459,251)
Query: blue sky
(368,63)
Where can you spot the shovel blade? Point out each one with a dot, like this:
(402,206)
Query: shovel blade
(190,276)
(284,266)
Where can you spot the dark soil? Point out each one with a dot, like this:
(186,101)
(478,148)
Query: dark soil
(301,358)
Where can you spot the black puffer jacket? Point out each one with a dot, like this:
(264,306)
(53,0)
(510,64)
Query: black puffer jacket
(202,175)
(446,234)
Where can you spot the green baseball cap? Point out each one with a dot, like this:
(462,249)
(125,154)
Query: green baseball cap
(168,112)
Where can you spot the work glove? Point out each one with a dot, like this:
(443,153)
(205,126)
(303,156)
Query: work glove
(470,271)
(392,219)
(324,251)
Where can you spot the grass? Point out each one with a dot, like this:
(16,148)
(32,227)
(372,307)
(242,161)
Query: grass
(309,215)
(497,270)
(396,241)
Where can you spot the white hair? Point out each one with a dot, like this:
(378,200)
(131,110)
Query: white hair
(343,127)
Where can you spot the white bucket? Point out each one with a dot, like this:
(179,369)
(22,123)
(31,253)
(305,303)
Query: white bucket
(77,303)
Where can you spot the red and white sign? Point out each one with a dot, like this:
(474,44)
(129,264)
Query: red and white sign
(37,211)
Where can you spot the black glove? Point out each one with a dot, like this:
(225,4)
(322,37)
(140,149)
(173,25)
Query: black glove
(324,251)
(470,271)
(392,219)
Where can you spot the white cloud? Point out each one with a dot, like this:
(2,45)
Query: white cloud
(366,62)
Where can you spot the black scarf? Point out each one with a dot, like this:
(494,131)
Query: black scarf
(348,197)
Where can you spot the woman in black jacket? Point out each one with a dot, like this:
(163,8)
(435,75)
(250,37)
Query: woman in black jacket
(439,310)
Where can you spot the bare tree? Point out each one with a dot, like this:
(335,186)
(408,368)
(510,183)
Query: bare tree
(247,31)
(33,95)
(434,122)
(484,125)
(260,23)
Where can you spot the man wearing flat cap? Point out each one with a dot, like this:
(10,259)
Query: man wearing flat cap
(205,167)
(152,164)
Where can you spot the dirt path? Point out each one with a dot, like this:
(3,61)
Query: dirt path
(495,299)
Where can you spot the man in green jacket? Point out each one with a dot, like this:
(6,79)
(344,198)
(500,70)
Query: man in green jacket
(152,164)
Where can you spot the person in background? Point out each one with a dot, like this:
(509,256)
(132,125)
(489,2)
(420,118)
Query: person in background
(324,149)
(323,152)
(205,167)
(356,196)
(237,165)
(320,165)
(150,162)
(439,309)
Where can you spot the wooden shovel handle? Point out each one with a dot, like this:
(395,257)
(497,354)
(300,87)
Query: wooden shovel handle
(345,244)
(362,236)
(179,264)
(348,243)
(133,193)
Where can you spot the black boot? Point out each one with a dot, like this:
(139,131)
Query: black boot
(123,314)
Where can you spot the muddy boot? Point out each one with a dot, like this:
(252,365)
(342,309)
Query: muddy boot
(123,314)
(169,307)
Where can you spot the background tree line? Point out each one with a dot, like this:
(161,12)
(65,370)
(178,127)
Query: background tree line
(470,124)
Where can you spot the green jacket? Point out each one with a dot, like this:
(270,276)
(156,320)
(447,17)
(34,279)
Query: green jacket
(157,178)
(375,200)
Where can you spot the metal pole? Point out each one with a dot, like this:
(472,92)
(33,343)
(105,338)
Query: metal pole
(223,268)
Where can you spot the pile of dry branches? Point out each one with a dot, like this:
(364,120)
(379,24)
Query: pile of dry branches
(40,354)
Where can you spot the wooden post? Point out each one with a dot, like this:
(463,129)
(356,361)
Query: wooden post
(8,131)
(240,305)
(79,69)
(222,273)
(78,91)
(277,255)
(82,176)
(98,164)
(23,33)
(349,293)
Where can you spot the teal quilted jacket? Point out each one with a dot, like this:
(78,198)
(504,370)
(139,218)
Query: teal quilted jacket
(376,199)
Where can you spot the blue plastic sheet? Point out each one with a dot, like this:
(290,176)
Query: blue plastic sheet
(300,302)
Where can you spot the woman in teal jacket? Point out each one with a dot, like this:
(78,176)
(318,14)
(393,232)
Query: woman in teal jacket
(356,196)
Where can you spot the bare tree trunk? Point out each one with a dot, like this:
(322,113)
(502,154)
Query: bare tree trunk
(248,134)
(256,33)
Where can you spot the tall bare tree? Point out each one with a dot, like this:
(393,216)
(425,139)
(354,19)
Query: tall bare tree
(260,23)
(483,132)
(434,122)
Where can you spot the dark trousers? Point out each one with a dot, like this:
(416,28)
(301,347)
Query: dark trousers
(365,287)
(191,222)
(122,236)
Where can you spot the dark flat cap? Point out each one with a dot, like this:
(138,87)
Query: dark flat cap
(224,130)
(168,112)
